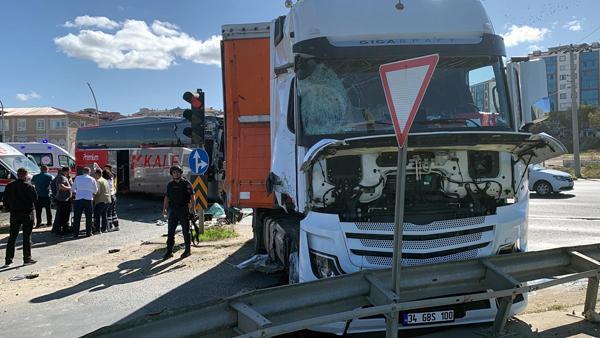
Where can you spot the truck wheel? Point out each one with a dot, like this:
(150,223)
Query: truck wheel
(543,188)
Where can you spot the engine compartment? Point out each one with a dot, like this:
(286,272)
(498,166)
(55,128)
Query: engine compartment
(440,185)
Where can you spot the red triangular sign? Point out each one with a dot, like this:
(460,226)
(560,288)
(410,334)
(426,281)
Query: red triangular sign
(405,83)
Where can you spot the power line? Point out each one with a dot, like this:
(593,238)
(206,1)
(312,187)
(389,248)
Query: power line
(587,36)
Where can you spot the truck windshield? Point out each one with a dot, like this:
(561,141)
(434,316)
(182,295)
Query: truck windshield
(345,98)
(14,162)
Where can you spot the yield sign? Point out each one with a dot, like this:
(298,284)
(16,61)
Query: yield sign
(405,83)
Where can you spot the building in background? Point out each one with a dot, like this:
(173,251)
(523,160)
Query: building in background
(558,70)
(483,96)
(37,124)
(105,116)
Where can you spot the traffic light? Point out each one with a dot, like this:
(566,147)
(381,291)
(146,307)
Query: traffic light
(195,116)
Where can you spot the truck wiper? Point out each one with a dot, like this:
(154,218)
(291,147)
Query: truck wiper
(368,123)
(448,120)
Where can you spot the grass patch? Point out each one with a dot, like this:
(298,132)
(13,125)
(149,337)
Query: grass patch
(217,233)
(591,171)
(557,307)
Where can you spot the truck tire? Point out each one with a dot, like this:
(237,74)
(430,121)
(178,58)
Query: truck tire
(281,237)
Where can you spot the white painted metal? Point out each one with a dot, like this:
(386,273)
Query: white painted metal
(352,21)
(275,311)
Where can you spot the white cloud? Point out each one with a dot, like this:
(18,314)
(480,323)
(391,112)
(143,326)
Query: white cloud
(517,35)
(574,25)
(27,97)
(136,45)
(534,48)
(92,21)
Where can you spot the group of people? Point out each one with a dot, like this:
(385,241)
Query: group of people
(90,195)
(93,196)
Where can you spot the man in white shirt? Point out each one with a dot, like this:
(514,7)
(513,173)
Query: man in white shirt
(84,187)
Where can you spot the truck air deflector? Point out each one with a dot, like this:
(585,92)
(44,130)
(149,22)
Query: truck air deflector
(322,47)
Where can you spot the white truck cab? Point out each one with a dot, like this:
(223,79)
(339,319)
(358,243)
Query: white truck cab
(334,151)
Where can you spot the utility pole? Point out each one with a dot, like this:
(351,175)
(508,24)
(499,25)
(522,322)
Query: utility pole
(96,103)
(574,115)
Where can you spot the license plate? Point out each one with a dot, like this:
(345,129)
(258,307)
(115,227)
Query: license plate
(428,317)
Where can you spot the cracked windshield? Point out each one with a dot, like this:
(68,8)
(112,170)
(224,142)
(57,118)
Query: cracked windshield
(346,97)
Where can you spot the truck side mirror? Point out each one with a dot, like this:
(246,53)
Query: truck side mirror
(528,84)
(540,110)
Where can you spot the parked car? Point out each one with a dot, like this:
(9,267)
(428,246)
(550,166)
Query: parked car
(547,181)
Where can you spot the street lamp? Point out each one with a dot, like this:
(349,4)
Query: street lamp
(96,103)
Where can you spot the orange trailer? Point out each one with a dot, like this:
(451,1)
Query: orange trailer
(245,65)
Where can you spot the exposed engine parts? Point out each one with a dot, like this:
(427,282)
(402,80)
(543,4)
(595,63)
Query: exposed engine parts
(440,185)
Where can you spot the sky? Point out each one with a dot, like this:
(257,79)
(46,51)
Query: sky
(147,53)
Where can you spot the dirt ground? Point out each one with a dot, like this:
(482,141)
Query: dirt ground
(77,271)
(553,312)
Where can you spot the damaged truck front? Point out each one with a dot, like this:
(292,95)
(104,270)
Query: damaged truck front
(333,152)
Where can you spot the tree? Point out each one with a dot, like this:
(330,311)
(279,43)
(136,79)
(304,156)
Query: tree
(594,118)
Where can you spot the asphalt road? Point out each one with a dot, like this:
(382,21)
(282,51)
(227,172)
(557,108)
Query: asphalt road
(140,286)
(566,219)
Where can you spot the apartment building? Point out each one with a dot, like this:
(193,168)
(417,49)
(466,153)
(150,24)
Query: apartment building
(175,112)
(37,124)
(558,71)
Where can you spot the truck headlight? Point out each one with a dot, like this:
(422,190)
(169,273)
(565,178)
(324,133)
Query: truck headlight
(323,265)
(562,178)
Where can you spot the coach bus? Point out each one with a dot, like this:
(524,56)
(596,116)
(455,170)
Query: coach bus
(141,151)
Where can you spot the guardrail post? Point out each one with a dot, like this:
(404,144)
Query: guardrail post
(591,297)
(504,306)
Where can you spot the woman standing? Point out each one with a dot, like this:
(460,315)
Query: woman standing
(113,220)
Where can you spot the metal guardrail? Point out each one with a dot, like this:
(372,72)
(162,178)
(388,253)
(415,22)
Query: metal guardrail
(280,310)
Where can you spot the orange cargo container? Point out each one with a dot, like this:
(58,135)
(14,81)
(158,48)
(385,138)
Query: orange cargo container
(245,62)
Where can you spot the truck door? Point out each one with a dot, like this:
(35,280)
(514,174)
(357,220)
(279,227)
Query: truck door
(123,170)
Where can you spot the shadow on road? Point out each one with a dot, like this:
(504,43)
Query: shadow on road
(137,207)
(551,196)
(221,281)
(131,271)
(40,239)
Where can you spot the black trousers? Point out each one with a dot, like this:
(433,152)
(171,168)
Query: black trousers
(178,216)
(18,220)
(61,219)
(43,203)
(80,207)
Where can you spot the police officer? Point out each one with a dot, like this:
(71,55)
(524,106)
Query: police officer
(20,198)
(178,205)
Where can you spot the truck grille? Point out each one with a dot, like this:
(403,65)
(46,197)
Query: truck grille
(437,242)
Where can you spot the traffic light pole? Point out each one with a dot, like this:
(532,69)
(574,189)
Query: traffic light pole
(196,116)
(200,143)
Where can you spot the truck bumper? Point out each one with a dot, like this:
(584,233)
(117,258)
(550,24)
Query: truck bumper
(357,246)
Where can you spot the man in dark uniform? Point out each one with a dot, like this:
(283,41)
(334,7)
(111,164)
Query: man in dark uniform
(178,205)
(20,198)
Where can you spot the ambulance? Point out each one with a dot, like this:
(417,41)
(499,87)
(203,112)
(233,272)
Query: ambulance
(10,161)
(48,154)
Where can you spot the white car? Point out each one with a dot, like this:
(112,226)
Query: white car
(547,181)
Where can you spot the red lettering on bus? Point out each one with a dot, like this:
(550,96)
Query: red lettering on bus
(135,160)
